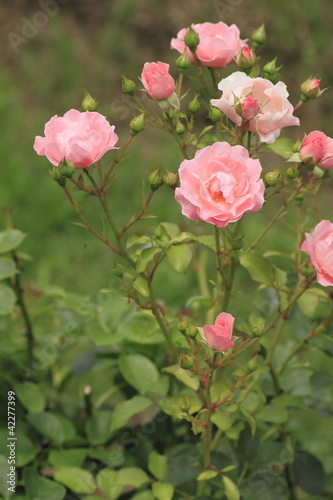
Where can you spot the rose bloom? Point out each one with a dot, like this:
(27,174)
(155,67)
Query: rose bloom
(275,111)
(157,80)
(219,44)
(220,184)
(81,138)
(319,247)
(317,148)
(218,336)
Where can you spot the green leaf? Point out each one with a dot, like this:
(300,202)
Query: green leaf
(139,371)
(273,413)
(230,489)
(309,473)
(77,480)
(55,427)
(4,470)
(30,396)
(67,458)
(125,410)
(143,495)
(7,268)
(157,464)
(183,376)
(170,228)
(98,427)
(310,300)
(40,488)
(283,147)
(259,268)
(183,238)
(7,300)
(221,420)
(25,450)
(179,257)
(141,286)
(206,475)
(10,239)
(132,476)
(135,240)
(163,491)
(106,480)
(146,257)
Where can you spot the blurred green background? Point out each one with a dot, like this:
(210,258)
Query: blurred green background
(48,58)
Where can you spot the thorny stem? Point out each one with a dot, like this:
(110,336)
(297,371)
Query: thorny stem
(137,217)
(116,161)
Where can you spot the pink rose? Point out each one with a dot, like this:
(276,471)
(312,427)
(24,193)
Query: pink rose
(81,138)
(275,111)
(218,336)
(157,80)
(319,247)
(317,148)
(220,184)
(219,44)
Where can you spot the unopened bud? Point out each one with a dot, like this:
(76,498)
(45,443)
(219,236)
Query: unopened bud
(271,72)
(247,107)
(66,168)
(310,89)
(137,124)
(307,270)
(186,362)
(257,325)
(292,172)
(118,270)
(180,128)
(183,62)
(191,39)
(258,37)
(194,105)
(191,331)
(155,179)
(171,179)
(215,114)
(299,199)
(56,176)
(237,243)
(246,58)
(252,365)
(158,233)
(127,86)
(271,178)
(181,325)
(88,103)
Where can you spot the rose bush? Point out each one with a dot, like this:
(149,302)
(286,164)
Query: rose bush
(157,80)
(218,46)
(274,111)
(81,138)
(220,184)
(319,247)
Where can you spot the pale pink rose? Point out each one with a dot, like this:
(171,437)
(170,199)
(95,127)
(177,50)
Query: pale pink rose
(81,138)
(218,336)
(219,44)
(220,184)
(319,247)
(250,107)
(317,148)
(157,80)
(275,111)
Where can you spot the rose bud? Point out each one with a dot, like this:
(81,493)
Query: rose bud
(258,36)
(88,103)
(127,86)
(218,336)
(310,89)
(157,80)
